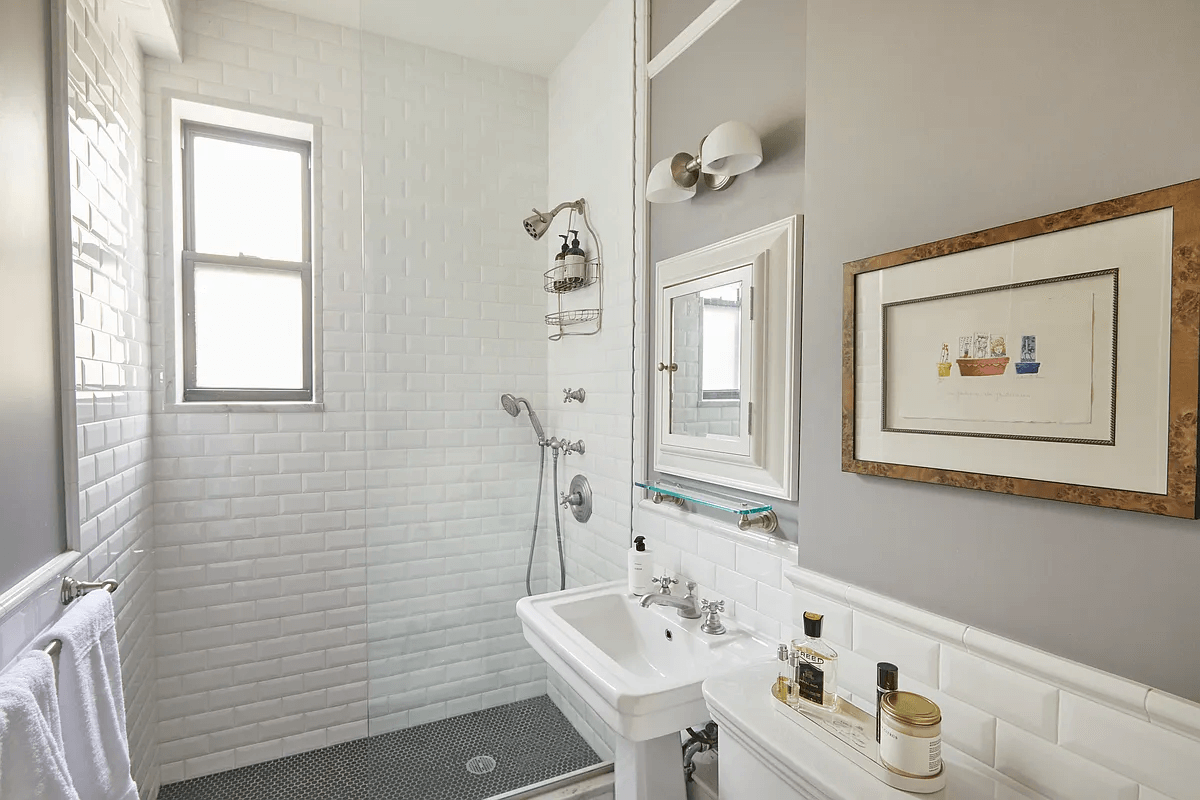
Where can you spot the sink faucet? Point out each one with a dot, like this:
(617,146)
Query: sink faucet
(686,605)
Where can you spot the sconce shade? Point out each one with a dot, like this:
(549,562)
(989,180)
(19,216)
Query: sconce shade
(662,188)
(731,149)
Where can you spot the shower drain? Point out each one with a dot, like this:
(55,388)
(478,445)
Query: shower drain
(481,765)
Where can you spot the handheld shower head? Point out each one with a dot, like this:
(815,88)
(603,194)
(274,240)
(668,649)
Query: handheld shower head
(512,405)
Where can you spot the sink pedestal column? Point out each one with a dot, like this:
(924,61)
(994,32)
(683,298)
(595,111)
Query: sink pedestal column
(649,770)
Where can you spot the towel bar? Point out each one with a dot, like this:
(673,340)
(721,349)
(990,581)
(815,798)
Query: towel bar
(71,589)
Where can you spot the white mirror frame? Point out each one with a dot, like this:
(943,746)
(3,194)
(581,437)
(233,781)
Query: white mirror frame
(770,464)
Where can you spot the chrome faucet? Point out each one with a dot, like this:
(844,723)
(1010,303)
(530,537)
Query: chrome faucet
(686,605)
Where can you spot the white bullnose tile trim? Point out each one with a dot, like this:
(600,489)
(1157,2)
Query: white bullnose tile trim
(1173,712)
(780,548)
(1164,710)
(1103,687)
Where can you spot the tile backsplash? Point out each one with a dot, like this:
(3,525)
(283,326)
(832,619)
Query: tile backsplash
(1065,730)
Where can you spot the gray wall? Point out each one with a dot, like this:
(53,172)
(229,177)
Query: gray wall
(749,67)
(32,525)
(668,18)
(930,119)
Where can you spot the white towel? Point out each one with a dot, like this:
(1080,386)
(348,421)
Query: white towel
(32,761)
(92,701)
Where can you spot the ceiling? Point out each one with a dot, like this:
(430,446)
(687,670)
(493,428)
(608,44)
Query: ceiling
(526,35)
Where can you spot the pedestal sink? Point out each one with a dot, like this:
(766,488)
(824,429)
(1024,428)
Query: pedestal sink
(640,669)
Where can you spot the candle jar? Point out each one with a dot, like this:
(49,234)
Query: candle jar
(910,740)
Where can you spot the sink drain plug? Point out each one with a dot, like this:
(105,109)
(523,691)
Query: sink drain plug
(481,765)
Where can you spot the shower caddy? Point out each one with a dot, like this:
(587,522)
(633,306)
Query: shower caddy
(558,281)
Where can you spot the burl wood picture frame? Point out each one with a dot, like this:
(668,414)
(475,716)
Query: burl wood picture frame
(1150,243)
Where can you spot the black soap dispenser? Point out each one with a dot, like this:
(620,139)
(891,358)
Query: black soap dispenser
(559,275)
(575,262)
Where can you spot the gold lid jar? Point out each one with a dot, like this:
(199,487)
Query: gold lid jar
(910,734)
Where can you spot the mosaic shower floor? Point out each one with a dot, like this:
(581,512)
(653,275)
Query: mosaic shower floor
(470,757)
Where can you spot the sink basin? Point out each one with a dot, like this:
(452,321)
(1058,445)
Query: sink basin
(640,669)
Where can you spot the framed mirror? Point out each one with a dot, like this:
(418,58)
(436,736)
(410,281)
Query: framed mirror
(726,373)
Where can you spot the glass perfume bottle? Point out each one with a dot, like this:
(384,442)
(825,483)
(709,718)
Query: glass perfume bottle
(814,681)
(783,684)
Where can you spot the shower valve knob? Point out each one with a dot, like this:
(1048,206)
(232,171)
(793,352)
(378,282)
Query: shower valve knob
(577,395)
(565,500)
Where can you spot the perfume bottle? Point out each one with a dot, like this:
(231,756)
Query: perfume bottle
(815,676)
(784,681)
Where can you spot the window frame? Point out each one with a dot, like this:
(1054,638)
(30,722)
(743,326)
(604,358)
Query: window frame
(191,258)
(720,397)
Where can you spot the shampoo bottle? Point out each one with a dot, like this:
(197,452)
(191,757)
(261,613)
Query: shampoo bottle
(639,567)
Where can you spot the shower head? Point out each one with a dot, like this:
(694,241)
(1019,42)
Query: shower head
(512,405)
(538,223)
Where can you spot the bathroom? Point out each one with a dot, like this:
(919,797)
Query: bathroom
(320,586)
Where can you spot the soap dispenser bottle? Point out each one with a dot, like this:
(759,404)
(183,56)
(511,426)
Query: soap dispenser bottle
(560,283)
(639,567)
(575,262)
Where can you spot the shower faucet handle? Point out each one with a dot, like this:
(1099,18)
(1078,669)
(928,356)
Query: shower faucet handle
(578,395)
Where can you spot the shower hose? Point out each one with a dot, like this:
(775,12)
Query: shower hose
(537,510)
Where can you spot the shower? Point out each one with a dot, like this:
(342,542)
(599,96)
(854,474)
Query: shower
(512,405)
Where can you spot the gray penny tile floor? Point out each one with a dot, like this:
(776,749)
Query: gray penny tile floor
(470,757)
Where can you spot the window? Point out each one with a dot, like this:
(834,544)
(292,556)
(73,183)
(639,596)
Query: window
(247,282)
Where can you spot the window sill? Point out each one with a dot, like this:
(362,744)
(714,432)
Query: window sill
(201,407)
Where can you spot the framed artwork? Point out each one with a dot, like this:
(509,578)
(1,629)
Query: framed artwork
(1055,357)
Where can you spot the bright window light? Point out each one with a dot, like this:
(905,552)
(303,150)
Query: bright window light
(248,200)
(247,281)
(721,315)
(249,328)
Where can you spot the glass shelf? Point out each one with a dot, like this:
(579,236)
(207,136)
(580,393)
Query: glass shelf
(721,502)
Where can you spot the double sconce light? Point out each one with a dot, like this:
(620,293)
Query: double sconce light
(731,149)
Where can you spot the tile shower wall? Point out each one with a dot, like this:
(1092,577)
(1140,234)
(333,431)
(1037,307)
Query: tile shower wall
(111,317)
(591,156)
(454,157)
(261,628)
(265,519)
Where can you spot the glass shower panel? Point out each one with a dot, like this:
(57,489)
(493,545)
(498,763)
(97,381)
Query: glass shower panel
(453,302)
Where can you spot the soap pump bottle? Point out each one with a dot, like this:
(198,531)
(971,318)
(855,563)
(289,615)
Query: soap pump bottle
(639,567)
(560,261)
(575,262)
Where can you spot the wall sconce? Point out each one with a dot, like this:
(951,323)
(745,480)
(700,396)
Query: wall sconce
(731,149)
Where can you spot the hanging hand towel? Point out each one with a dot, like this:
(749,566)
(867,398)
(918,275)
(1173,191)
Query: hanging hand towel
(92,701)
(32,761)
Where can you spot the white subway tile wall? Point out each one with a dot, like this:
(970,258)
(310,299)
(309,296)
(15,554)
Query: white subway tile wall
(411,492)
(112,358)
(591,156)
(1018,711)
(455,154)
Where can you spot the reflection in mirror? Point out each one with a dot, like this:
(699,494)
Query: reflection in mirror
(706,345)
